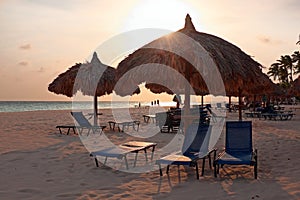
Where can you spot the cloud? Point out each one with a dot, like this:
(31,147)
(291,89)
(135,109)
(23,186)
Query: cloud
(292,5)
(23,63)
(41,70)
(61,5)
(267,40)
(25,47)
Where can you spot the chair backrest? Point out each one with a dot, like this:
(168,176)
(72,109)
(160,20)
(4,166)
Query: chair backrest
(238,137)
(196,139)
(162,118)
(80,119)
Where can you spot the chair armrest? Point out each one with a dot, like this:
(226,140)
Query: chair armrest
(99,127)
(220,154)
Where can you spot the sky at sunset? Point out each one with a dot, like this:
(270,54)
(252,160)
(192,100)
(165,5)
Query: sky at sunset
(42,38)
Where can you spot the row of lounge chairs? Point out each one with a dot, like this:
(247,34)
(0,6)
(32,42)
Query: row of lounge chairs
(274,115)
(170,121)
(278,115)
(238,147)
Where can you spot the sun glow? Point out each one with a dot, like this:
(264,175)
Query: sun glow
(166,14)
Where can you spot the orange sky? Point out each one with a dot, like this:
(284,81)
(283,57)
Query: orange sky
(41,39)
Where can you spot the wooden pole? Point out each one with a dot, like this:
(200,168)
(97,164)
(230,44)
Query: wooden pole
(95,110)
(240,105)
(187,100)
(229,104)
(254,104)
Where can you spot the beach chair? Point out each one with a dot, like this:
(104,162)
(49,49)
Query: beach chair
(122,125)
(238,147)
(219,106)
(121,151)
(195,147)
(85,124)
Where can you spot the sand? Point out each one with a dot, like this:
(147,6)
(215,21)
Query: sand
(37,162)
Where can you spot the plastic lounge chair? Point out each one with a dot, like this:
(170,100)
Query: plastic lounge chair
(195,147)
(122,125)
(122,150)
(69,127)
(238,147)
(163,121)
(85,124)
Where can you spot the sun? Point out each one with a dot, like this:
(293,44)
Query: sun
(165,14)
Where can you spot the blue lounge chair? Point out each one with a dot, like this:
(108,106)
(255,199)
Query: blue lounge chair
(238,147)
(195,147)
(85,124)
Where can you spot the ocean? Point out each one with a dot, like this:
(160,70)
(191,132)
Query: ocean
(22,106)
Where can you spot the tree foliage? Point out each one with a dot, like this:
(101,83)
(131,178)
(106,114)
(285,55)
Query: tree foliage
(284,69)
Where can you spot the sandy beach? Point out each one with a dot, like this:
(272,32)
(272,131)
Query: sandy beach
(37,162)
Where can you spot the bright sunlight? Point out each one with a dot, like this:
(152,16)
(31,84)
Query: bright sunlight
(168,14)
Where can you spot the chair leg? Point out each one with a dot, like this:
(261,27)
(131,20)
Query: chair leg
(168,167)
(146,156)
(255,165)
(216,169)
(126,163)
(136,154)
(209,161)
(160,170)
(197,172)
(255,171)
(80,130)
(96,161)
(74,131)
(153,149)
(203,165)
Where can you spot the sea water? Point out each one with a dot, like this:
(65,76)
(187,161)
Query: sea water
(21,106)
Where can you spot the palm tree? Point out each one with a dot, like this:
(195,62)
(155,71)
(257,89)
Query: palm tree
(280,71)
(296,60)
(274,71)
(298,41)
(287,62)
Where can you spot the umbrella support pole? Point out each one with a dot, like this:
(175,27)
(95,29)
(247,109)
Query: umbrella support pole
(240,105)
(187,104)
(229,104)
(95,110)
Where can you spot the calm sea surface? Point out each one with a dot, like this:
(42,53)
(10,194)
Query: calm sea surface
(21,106)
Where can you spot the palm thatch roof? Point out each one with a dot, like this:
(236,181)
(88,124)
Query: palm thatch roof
(194,56)
(91,78)
(64,83)
(157,88)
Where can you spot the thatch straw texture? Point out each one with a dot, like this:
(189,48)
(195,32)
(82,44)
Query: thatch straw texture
(92,78)
(238,71)
(64,83)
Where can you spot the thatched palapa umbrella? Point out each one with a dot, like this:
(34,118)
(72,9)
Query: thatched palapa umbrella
(91,78)
(206,62)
